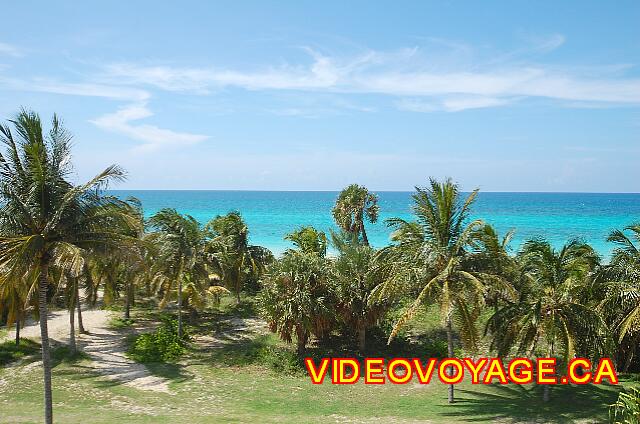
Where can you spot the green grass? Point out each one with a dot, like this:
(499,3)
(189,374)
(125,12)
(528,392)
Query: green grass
(260,380)
(204,393)
(9,352)
(119,323)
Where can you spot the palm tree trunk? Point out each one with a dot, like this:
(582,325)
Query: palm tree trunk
(362,337)
(180,307)
(301,340)
(18,322)
(546,391)
(365,239)
(450,353)
(238,287)
(94,297)
(43,286)
(627,362)
(629,356)
(81,329)
(72,328)
(127,301)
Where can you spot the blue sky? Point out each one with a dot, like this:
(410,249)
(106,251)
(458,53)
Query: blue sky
(314,95)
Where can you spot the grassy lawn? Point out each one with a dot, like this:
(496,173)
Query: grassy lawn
(9,352)
(242,382)
(205,393)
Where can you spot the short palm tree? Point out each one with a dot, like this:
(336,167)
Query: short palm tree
(355,204)
(549,318)
(14,302)
(431,254)
(180,244)
(357,273)
(231,254)
(44,219)
(621,303)
(294,300)
(309,240)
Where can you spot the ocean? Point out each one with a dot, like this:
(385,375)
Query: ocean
(270,215)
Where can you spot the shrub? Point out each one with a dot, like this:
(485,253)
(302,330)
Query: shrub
(163,345)
(119,323)
(627,408)
(280,360)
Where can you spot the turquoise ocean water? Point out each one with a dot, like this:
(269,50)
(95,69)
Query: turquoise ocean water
(272,214)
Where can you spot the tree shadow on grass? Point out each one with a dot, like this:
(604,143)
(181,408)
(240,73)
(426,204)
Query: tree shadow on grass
(517,403)
(9,352)
(176,373)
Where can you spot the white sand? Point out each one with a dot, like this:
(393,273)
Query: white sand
(106,348)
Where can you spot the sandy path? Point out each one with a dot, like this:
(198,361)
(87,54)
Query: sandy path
(106,348)
(238,329)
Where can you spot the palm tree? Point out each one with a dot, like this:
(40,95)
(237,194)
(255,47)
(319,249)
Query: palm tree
(134,259)
(357,273)
(431,253)
(180,243)
(67,281)
(309,240)
(44,219)
(354,203)
(491,257)
(621,303)
(14,300)
(549,317)
(231,254)
(294,297)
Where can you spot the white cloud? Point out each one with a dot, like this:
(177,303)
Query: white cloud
(10,50)
(152,136)
(546,43)
(75,89)
(404,73)
(452,104)
(415,78)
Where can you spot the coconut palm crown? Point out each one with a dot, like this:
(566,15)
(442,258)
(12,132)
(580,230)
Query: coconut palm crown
(355,204)
(45,220)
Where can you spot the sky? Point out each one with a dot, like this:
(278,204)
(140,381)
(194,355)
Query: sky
(315,95)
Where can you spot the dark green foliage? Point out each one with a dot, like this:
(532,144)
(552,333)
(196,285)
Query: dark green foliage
(64,354)
(9,352)
(163,345)
(627,408)
(119,323)
(262,350)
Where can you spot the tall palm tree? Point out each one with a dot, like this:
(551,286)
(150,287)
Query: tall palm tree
(357,273)
(134,260)
(231,254)
(430,254)
(355,204)
(549,318)
(621,303)
(44,219)
(491,257)
(180,244)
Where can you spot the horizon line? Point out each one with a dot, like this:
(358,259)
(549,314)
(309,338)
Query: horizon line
(371,190)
